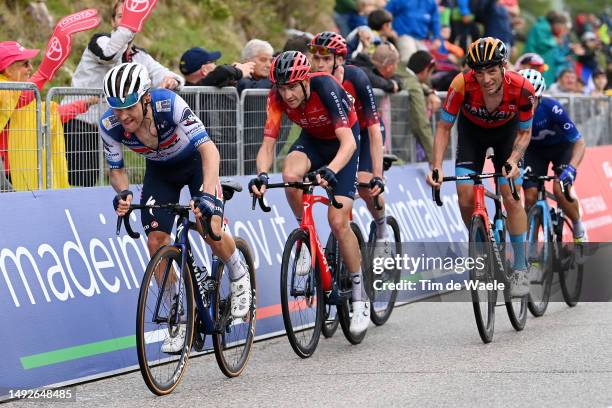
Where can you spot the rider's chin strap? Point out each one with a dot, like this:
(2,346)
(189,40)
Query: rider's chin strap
(335,66)
(304,90)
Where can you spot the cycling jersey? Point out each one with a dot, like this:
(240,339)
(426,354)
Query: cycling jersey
(465,95)
(357,84)
(179,131)
(552,125)
(327,108)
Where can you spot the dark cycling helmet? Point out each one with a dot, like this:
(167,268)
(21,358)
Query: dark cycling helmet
(486,52)
(328,42)
(289,67)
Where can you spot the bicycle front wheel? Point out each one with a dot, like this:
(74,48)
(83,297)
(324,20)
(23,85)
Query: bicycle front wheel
(164,321)
(540,250)
(345,309)
(383,300)
(570,265)
(233,338)
(483,299)
(301,295)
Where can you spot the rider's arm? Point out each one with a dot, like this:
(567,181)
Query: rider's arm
(348,145)
(265,155)
(450,110)
(521,143)
(210,166)
(376,149)
(119,179)
(525,116)
(440,143)
(109,131)
(568,128)
(578,153)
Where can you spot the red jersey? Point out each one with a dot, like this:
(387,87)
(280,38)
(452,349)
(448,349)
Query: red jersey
(466,95)
(327,109)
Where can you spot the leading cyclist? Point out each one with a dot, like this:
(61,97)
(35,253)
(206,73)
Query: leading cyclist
(158,124)
(495,109)
(555,139)
(329,144)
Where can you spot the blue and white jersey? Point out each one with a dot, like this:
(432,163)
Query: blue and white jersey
(552,125)
(180,132)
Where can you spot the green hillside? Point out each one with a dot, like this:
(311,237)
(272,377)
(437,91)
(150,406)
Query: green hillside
(175,25)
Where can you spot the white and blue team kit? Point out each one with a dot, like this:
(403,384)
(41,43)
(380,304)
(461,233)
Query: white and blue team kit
(553,136)
(175,162)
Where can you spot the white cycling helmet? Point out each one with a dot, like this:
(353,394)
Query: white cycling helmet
(536,79)
(125,84)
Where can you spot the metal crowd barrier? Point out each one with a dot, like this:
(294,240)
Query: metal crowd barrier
(63,148)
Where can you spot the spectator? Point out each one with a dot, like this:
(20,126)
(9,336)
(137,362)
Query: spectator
(600,82)
(567,82)
(464,29)
(346,16)
(497,24)
(381,21)
(362,39)
(381,67)
(548,38)
(415,22)
(423,101)
(298,43)
(530,60)
(260,53)
(103,52)
(587,56)
(199,68)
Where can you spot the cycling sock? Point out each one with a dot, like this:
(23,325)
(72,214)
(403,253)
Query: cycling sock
(381,227)
(518,247)
(235,266)
(578,229)
(357,290)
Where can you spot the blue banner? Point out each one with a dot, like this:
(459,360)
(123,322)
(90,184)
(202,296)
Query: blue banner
(69,286)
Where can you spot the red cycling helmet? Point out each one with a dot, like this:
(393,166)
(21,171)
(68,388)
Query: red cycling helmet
(289,67)
(329,42)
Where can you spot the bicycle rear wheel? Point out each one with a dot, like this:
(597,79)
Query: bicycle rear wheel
(233,338)
(382,301)
(162,371)
(301,297)
(483,299)
(570,265)
(345,309)
(540,253)
(331,321)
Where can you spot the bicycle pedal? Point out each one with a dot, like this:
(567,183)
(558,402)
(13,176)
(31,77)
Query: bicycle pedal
(338,297)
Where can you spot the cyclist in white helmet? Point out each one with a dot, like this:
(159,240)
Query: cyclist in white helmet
(158,124)
(554,139)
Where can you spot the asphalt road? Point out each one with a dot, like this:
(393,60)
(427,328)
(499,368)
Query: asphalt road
(428,354)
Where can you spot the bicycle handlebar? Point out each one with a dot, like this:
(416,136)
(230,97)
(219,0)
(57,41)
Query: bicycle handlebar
(176,208)
(375,199)
(302,185)
(565,187)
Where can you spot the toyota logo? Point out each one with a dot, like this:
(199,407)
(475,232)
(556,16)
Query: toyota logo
(137,6)
(73,18)
(54,49)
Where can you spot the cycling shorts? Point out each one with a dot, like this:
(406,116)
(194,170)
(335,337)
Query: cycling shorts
(365,157)
(538,159)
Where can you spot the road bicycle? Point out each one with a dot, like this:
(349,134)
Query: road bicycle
(487,241)
(179,298)
(546,228)
(307,291)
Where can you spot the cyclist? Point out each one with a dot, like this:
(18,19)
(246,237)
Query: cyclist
(158,124)
(328,143)
(555,140)
(495,109)
(328,53)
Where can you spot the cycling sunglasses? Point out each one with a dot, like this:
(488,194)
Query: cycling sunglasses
(318,49)
(116,103)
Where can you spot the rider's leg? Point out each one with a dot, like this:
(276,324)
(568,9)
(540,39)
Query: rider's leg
(297,164)
(517,223)
(378,215)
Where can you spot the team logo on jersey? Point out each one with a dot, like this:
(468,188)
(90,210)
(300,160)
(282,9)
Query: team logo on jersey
(188,118)
(557,110)
(110,122)
(163,106)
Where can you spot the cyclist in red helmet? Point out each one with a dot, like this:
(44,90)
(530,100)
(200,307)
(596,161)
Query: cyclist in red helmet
(328,143)
(328,51)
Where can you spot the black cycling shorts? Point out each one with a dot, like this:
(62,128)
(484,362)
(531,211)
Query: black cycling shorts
(163,184)
(321,152)
(538,159)
(473,142)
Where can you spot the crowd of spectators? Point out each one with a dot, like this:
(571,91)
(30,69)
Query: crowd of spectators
(414,45)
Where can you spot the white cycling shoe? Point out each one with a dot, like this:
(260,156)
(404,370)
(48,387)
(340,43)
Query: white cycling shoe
(174,344)
(241,296)
(303,263)
(360,318)
(519,283)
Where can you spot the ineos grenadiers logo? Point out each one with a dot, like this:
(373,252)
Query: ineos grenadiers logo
(54,50)
(137,6)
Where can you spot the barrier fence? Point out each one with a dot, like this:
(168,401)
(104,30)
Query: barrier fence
(63,149)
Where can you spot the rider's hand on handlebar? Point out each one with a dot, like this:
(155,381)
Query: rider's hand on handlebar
(206,206)
(326,177)
(122,202)
(257,185)
(568,174)
(377,186)
(514,172)
(435,183)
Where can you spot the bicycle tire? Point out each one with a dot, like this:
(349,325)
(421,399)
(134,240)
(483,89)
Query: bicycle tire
(330,325)
(344,310)
(148,340)
(289,304)
(540,289)
(485,317)
(570,271)
(380,316)
(233,342)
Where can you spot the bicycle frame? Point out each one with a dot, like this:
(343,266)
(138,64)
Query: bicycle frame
(496,233)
